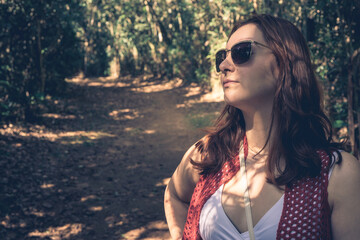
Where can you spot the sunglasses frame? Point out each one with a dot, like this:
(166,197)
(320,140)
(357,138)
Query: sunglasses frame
(229,50)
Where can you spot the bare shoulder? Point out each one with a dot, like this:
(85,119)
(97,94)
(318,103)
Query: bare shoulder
(193,154)
(345,176)
(347,171)
(344,197)
(185,177)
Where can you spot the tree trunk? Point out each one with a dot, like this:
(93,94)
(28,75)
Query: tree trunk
(255,5)
(161,26)
(355,61)
(117,62)
(350,102)
(41,57)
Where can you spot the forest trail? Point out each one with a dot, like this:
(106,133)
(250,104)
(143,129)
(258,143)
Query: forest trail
(97,165)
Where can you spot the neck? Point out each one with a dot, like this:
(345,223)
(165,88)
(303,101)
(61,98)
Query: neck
(257,129)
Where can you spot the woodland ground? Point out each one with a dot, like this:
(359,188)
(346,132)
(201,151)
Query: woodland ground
(96,164)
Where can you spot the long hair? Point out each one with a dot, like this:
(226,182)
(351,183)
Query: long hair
(301,128)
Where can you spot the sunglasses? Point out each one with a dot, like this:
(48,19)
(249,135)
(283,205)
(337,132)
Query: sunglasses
(240,53)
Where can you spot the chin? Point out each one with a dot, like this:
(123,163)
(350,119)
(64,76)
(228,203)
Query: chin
(231,97)
(235,103)
(239,103)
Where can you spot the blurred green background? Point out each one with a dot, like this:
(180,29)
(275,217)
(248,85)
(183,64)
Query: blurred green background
(44,42)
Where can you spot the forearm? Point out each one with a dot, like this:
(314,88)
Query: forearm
(176,212)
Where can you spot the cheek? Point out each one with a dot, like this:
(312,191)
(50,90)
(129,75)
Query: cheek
(270,73)
(264,78)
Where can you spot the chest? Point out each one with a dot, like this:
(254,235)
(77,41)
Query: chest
(262,194)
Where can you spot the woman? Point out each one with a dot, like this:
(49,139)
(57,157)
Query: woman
(293,182)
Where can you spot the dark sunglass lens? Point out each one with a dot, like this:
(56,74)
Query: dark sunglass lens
(219,58)
(241,52)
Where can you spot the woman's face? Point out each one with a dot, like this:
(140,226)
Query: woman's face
(251,85)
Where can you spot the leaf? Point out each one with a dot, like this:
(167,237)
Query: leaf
(5,83)
(339,124)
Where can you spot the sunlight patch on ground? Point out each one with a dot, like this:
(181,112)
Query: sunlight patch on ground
(133,131)
(108,85)
(58,233)
(210,97)
(149,131)
(75,137)
(6,223)
(156,230)
(37,213)
(136,131)
(123,219)
(163,183)
(58,116)
(128,129)
(113,221)
(136,165)
(193,90)
(96,208)
(166,85)
(111,81)
(84,199)
(80,137)
(47,185)
(124,114)
(216,95)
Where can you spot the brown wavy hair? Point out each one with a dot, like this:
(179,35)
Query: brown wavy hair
(302,126)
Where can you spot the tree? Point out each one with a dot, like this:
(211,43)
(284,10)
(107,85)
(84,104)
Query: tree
(37,42)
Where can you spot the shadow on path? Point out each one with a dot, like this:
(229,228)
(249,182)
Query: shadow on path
(97,165)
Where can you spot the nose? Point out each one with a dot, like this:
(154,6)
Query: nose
(227,64)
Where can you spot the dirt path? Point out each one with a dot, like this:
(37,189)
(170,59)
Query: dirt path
(97,165)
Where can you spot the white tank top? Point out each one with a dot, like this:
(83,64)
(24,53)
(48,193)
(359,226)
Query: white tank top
(215,224)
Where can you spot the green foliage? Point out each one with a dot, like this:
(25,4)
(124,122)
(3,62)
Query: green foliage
(38,49)
(339,124)
(43,42)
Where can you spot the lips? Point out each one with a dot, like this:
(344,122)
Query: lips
(228,82)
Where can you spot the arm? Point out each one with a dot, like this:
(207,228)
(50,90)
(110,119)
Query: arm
(344,197)
(179,191)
